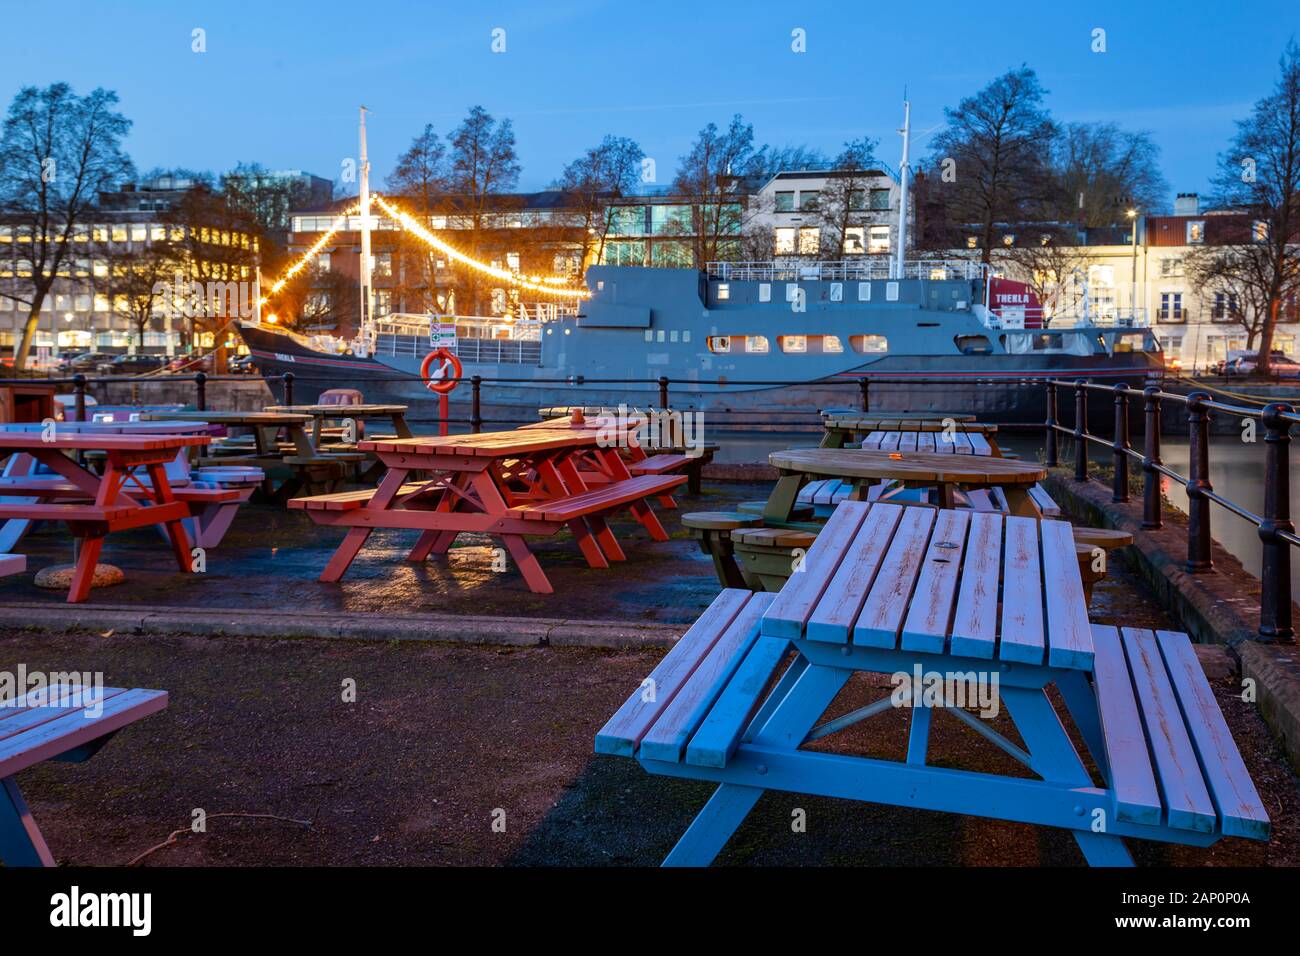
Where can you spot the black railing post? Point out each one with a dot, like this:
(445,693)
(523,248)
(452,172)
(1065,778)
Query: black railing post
(287,379)
(1080,429)
(1275,625)
(1050,439)
(79,390)
(663,392)
(1198,482)
(1119,445)
(201,387)
(475,404)
(1151,516)
(864,384)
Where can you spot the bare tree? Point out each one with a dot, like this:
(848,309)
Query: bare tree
(139,281)
(420,178)
(843,200)
(992,163)
(610,170)
(58,151)
(708,178)
(484,164)
(1101,171)
(1259,176)
(1046,261)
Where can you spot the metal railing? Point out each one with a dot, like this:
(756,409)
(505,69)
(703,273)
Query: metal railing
(843,270)
(1276,530)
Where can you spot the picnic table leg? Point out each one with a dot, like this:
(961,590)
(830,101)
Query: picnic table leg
(783,498)
(21,843)
(1056,760)
(342,559)
(529,566)
(162,494)
(805,699)
(556,484)
(1019,502)
(84,573)
(571,479)
(605,538)
(918,734)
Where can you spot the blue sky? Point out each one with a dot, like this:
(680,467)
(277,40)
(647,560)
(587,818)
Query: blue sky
(281,79)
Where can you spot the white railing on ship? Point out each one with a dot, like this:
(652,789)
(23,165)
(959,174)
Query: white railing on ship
(504,351)
(844,270)
(1034,318)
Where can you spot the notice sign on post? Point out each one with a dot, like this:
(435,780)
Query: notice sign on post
(442,335)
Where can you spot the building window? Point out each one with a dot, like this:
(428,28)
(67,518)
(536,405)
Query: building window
(1171,307)
(139,232)
(810,240)
(785,241)
(785,202)
(719,343)
(321,264)
(118,233)
(383,302)
(832,343)
(384,265)
(723,291)
(880,200)
(808,200)
(855,240)
(1196,232)
(857,199)
(972,242)
(1225,307)
(1259,230)
(756,343)
(1172,266)
(878,240)
(793,343)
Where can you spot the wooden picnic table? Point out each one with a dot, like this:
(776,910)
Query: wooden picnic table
(840,430)
(310,469)
(944,473)
(939,441)
(395,414)
(111,507)
(507,484)
(964,610)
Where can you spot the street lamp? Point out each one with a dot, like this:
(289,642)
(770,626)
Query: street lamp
(1133,293)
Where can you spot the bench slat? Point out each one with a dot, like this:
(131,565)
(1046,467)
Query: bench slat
(1132,778)
(719,735)
(1022,610)
(1181,784)
(1240,811)
(605,498)
(974,622)
(833,618)
(881,617)
(795,601)
(1038,494)
(70,730)
(623,732)
(979,444)
(660,464)
(667,738)
(931,610)
(1069,635)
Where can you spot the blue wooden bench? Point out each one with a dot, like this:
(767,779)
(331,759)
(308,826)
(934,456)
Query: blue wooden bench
(744,689)
(68,729)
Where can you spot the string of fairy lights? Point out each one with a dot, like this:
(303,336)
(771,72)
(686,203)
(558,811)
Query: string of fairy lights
(544,285)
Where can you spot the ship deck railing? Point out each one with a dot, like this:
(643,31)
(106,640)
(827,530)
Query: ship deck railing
(844,270)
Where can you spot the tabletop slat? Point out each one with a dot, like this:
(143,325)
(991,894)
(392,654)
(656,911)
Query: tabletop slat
(794,604)
(882,613)
(975,620)
(931,610)
(1067,610)
(1023,636)
(85,441)
(833,618)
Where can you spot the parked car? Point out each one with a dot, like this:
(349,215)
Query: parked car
(191,363)
(134,364)
(1279,363)
(242,365)
(88,362)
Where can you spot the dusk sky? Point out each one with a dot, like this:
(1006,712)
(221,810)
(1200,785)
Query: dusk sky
(280,81)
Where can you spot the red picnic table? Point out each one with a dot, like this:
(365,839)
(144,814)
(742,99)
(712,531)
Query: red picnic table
(119,498)
(507,484)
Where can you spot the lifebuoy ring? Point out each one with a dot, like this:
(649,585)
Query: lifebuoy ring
(444,383)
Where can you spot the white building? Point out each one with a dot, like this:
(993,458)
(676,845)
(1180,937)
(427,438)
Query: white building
(800,213)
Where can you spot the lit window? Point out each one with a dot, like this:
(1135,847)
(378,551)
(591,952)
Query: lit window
(100,268)
(1259,230)
(6,233)
(157,233)
(878,240)
(101,302)
(972,242)
(855,240)
(793,343)
(724,291)
(322,263)
(719,343)
(874,344)
(1195,232)
(832,343)
(139,232)
(384,265)
(810,240)
(118,233)
(756,343)
(785,241)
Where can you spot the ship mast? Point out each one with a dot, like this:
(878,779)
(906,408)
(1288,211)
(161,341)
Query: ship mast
(904,168)
(367,294)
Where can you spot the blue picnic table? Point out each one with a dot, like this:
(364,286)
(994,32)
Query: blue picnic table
(960,608)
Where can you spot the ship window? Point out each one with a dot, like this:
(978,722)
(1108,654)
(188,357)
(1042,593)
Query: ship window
(686,335)
(649,334)
(891,291)
(864,291)
(832,343)
(659,336)
(869,343)
(837,291)
(672,335)
(719,343)
(974,345)
(765,292)
(793,343)
(756,343)
(724,291)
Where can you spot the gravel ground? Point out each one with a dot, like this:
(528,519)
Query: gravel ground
(443,740)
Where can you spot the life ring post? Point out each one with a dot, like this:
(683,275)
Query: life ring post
(442,381)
